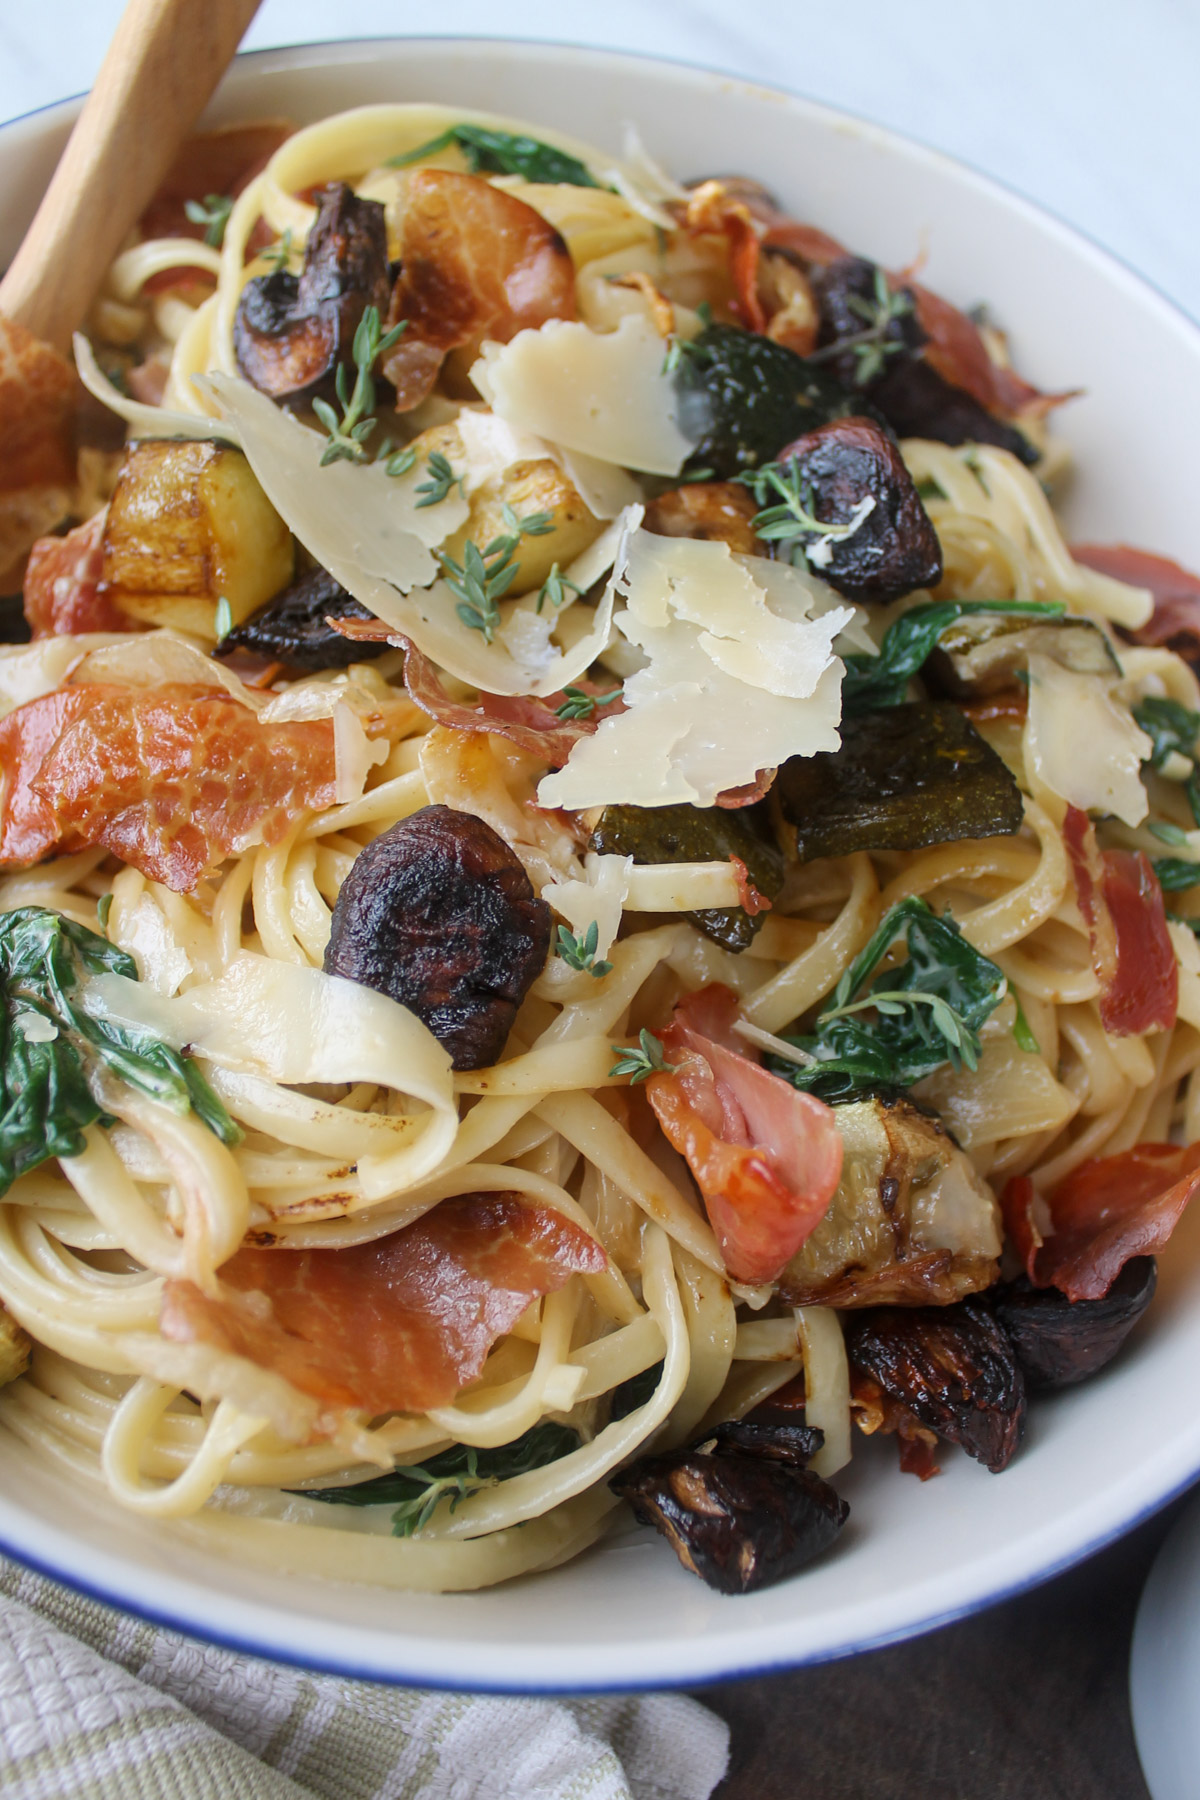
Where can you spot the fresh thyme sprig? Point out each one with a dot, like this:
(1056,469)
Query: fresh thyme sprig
(483,576)
(694,348)
(213,213)
(641,1060)
(279,254)
(400,463)
(580,953)
(347,436)
(962,1043)
(414,1515)
(791,518)
(554,588)
(871,347)
(579,705)
(441,480)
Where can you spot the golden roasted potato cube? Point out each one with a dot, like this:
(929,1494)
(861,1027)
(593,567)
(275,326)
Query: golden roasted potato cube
(529,488)
(15,1348)
(188,526)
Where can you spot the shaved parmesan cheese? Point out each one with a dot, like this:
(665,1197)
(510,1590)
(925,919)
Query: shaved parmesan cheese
(605,489)
(1082,744)
(738,678)
(346,514)
(143,420)
(354,755)
(27,671)
(152,658)
(598,899)
(604,394)
(490,445)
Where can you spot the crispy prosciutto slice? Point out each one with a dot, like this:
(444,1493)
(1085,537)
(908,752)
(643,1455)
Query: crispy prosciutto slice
(62,585)
(1175,620)
(171,779)
(1106,1212)
(1132,954)
(766,1157)
(398,1325)
(475,262)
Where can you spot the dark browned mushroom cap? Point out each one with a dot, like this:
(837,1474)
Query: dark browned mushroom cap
(738,1521)
(438,913)
(779,1440)
(293,628)
(914,398)
(952,1367)
(895,548)
(291,332)
(1059,1341)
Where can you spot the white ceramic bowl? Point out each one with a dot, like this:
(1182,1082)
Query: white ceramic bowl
(1096,1460)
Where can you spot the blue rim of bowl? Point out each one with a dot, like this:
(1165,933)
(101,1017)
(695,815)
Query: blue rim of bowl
(346,1668)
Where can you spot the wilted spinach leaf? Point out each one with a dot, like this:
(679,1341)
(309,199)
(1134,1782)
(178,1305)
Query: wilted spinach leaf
(47,1045)
(504,153)
(919,1016)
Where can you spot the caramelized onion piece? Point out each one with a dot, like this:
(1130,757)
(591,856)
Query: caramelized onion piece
(439,913)
(292,331)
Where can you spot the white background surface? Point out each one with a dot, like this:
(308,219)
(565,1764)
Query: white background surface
(1088,106)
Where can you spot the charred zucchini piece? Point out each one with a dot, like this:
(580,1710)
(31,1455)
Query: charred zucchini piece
(742,397)
(904,776)
(951,1367)
(1059,1341)
(982,652)
(188,526)
(292,628)
(740,1510)
(683,834)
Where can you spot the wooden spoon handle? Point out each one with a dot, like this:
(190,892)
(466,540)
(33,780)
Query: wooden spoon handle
(161,68)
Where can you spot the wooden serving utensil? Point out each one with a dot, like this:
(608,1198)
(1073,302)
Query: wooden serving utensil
(162,66)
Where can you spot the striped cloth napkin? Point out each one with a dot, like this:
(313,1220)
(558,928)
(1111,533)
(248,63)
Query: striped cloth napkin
(95,1705)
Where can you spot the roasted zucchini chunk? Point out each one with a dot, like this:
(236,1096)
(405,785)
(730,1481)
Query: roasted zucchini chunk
(742,397)
(188,526)
(951,1368)
(982,653)
(739,1509)
(904,776)
(1059,1341)
(291,332)
(899,381)
(895,548)
(684,834)
(293,628)
(911,1223)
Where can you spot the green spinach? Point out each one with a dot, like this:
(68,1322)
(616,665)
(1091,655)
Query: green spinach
(921,1015)
(874,681)
(416,1490)
(49,1047)
(1172,729)
(504,153)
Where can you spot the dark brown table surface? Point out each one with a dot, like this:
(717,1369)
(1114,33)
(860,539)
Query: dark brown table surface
(1027,1701)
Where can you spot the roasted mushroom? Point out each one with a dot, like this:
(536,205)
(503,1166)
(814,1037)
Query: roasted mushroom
(741,398)
(291,332)
(951,1367)
(439,913)
(739,1509)
(895,548)
(911,1222)
(292,629)
(715,510)
(884,359)
(680,834)
(904,776)
(1059,1341)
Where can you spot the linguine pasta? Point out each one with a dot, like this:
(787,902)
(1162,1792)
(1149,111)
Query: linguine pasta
(352,1125)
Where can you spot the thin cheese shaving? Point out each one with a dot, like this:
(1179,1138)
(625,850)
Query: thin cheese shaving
(738,678)
(1069,711)
(605,394)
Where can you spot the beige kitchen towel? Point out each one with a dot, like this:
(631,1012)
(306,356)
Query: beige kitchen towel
(95,1705)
